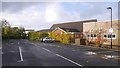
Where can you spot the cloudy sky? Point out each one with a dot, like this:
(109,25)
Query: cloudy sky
(42,15)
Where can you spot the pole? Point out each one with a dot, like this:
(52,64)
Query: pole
(111,27)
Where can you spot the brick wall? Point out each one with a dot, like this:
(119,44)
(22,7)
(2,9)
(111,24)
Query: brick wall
(119,32)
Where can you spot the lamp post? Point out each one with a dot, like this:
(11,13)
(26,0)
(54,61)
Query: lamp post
(111,24)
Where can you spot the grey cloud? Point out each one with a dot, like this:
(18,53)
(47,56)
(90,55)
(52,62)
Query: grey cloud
(13,7)
(0,6)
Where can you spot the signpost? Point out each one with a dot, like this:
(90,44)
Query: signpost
(111,31)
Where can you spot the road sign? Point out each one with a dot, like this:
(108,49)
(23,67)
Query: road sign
(111,30)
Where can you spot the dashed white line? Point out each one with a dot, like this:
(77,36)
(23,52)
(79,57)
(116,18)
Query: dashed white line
(73,50)
(64,58)
(18,43)
(69,60)
(51,45)
(58,46)
(33,44)
(46,49)
(21,56)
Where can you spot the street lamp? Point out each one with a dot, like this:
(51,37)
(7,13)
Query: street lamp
(111,24)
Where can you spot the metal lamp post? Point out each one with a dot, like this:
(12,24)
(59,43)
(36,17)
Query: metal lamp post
(111,24)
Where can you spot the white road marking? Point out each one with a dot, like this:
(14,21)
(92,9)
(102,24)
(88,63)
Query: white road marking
(46,49)
(21,56)
(73,50)
(34,44)
(110,56)
(1,53)
(69,60)
(51,45)
(90,53)
(58,46)
(18,43)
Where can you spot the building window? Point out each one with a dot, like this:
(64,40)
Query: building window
(108,36)
(105,36)
(88,35)
(76,35)
(113,36)
(95,35)
(92,35)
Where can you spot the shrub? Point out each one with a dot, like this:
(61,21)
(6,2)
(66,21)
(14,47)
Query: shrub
(35,36)
(63,38)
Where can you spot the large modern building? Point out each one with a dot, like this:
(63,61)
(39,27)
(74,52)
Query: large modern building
(94,29)
(74,28)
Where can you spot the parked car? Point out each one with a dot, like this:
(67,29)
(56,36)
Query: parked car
(47,39)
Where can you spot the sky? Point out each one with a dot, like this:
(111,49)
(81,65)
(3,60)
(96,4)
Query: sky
(42,15)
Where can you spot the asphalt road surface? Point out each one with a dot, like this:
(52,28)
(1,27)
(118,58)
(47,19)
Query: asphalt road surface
(27,53)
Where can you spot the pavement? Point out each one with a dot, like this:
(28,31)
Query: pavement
(106,47)
(27,53)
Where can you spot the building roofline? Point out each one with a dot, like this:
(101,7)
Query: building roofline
(91,20)
(60,29)
(109,20)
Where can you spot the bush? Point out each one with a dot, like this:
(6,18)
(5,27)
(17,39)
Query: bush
(35,36)
(63,38)
(13,32)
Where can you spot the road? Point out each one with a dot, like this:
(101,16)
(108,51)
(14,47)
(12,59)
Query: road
(27,53)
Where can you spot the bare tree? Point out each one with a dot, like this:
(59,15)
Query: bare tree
(5,23)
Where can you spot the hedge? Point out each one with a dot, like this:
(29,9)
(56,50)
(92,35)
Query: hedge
(63,38)
(35,36)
